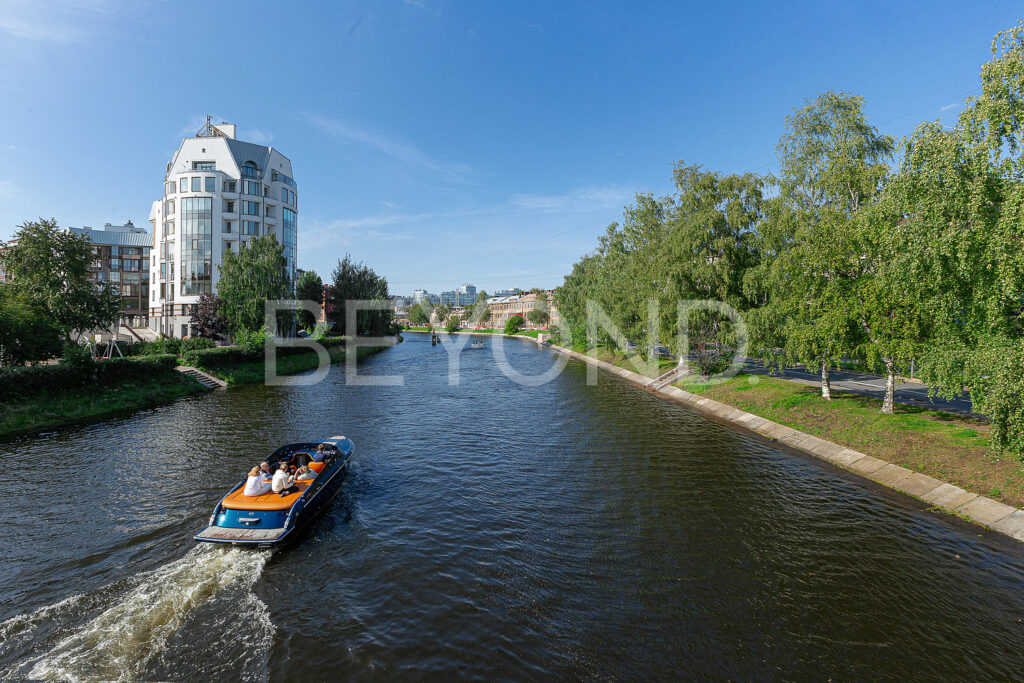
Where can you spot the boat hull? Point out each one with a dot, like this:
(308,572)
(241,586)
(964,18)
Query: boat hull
(263,528)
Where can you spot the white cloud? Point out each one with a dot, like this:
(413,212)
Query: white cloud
(58,21)
(947,107)
(578,200)
(257,135)
(8,189)
(390,145)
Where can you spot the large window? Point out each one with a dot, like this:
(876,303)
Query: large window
(169,207)
(169,187)
(211,184)
(251,208)
(203,166)
(196,184)
(184,184)
(288,238)
(250,228)
(249,170)
(251,187)
(196,245)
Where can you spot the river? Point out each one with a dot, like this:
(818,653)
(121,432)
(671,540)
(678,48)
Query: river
(487,530)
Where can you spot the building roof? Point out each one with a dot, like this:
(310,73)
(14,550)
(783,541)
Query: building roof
(116,238)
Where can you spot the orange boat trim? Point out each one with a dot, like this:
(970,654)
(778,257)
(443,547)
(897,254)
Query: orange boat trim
(268,501)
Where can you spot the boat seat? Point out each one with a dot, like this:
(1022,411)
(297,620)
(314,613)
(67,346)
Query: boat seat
(317,467)
(268,501)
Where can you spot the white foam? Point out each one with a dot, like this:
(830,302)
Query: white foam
(120,641)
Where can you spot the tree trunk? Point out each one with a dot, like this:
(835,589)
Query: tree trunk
(826,383)
(890,387)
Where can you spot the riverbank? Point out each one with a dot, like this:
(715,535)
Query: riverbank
(254,371)
(67,406)
(897,451)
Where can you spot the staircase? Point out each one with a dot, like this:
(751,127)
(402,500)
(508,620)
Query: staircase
(668,377)
(208,381)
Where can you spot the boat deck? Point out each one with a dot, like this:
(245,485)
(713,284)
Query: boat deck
(268,501)
(225,535)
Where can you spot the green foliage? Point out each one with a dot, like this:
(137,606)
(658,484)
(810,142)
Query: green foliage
(50,268)
(452,324)
(253,350)
(358,282)
(22,382)
(514,324)
(249,278)
(419,314)
(26,333)
(309,288)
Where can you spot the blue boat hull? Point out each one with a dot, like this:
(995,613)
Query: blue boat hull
(276,528)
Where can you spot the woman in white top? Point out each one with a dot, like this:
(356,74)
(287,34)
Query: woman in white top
(304,474)
(255,485)
(282,482)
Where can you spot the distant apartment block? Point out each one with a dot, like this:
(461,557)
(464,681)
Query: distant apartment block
(504,307)
(460,296)
(218,193)
(120,257)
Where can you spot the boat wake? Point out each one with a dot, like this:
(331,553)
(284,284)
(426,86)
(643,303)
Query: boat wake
(138,630)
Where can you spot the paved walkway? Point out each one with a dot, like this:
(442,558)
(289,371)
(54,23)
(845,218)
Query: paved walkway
(908,393)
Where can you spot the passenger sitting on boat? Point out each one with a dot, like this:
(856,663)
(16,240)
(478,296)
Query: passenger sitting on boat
(255,485)
(283,483)
(304,474)
(321,453)
(265,471)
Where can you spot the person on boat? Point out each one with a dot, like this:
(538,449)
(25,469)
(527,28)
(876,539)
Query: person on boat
(321,453)
(283,483)
(255,484)
(304,474)
(265,471)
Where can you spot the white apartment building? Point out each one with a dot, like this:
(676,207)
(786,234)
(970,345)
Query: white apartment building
(219,193)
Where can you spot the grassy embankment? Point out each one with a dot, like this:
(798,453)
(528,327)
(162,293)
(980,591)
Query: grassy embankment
(253,372)
(72,405)
(949,447)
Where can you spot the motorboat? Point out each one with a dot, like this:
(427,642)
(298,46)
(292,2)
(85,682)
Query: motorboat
(477,345)
(272,519)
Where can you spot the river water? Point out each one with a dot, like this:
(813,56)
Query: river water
(488,530)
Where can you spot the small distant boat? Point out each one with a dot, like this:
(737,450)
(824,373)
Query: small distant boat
(477,345)
(272,520)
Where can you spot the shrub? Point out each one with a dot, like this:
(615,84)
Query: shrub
(514,324)
(22,382)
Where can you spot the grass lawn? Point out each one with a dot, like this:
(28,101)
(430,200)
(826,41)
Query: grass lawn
(87,403)
(949,447)
(253,372)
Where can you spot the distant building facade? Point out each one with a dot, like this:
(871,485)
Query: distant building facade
(120,257)
(460,296)
(504,307)
(218,193)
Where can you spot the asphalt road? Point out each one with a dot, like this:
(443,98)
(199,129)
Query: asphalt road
(909,393)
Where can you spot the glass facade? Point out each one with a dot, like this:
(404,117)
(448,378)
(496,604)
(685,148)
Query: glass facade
(251,208)
(250,228)
(288,236)
(196,184)
(196,245)
(203,166)
(211,184)
(251,187)
(184,185)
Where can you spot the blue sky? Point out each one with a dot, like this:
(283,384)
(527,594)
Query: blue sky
(449,142)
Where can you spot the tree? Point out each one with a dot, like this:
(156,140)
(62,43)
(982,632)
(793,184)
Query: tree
(832,164)
(417,314)
(49,268)
(514,324)
(249,278)
(357,282)
(539,315)
(27,335)
(206,317)
(479,312)
(309,288)
(453,323)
